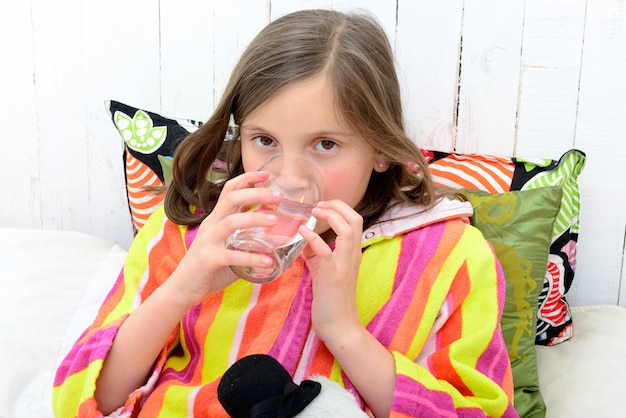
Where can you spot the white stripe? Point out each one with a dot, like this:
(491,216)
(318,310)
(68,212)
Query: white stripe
(143,199)
(460,173)
(191,400)
(304,358)
(145,212)
(144,177)
(241,325)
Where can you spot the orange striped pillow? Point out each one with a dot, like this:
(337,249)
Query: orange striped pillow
(471,171)
(147,137)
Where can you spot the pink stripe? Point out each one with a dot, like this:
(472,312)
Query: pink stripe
(413,399)
(494,361)
(188,323)
(81,356)
(310,346)
(190,235)
(291,339)
(414,257)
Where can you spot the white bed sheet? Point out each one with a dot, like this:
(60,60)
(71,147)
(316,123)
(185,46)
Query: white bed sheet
(45,277)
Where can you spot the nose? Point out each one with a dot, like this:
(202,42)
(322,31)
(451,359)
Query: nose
(295,174)
(296,177)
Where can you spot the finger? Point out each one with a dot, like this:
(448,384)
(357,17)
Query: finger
(315,244)
(246,180)
(345,227)
(351,216)
(236,257)
(243,220)
(233,199)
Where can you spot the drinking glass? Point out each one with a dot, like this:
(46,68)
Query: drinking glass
(299,182)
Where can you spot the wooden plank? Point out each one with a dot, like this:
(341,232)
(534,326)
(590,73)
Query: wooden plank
(428,43)
(188,38)
(550,74)
(59,89)
(19,170)
(600,132)
(121,48)
(622,291)
(490,63)
(282,7)
(233,36)
(383,11)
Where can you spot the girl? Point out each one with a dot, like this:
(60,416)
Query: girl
(396,296)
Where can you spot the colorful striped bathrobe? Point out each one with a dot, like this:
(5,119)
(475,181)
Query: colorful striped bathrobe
(429,289)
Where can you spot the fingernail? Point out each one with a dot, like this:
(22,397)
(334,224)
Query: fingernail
(271,218)
(266,260)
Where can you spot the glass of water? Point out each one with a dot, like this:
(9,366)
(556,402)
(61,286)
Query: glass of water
(300,184)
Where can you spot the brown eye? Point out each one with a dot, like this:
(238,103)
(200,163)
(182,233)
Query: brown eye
(326,145)
(264,141)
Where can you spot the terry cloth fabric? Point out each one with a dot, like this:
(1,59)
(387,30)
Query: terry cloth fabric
(440,324)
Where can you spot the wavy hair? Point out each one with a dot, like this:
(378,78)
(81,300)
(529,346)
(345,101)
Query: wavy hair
(354,54)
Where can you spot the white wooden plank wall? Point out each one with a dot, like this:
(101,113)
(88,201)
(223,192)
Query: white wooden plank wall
(530,78)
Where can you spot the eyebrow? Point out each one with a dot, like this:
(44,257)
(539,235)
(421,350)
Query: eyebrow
(315,134)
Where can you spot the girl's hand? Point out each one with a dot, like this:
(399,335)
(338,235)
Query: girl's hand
(205,267)
(334,313)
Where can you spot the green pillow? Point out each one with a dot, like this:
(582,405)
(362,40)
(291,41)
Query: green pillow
(519,226)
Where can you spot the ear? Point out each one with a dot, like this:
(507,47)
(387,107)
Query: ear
(381,165)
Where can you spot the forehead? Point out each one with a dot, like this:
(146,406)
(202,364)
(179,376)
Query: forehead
(308,104)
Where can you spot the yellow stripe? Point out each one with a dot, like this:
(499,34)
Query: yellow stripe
(179,362)
(175,401)
(137,263)
(472,241)
(219,339)
(381,262)
(75,385)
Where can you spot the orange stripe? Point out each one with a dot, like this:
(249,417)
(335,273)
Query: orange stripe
(139,175)
(451,332)
(457,180)
(204,403)
(164,257)
(267,318)
(323,362)
(422,298)
(395,414)
(462,285)
(493,174)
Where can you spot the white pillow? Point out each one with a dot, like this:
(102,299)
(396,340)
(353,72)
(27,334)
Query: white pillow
(586,376)
(46,277)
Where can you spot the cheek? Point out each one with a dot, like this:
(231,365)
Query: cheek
(348,185)
(251,162)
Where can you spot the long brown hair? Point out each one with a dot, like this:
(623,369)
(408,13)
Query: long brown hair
(354,54)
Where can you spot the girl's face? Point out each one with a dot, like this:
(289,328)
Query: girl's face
(301,120)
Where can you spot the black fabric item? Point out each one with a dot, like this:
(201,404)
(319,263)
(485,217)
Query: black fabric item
(258,386)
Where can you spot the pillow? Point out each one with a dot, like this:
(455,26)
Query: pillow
(149,140)
(502,174)
(519,226)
